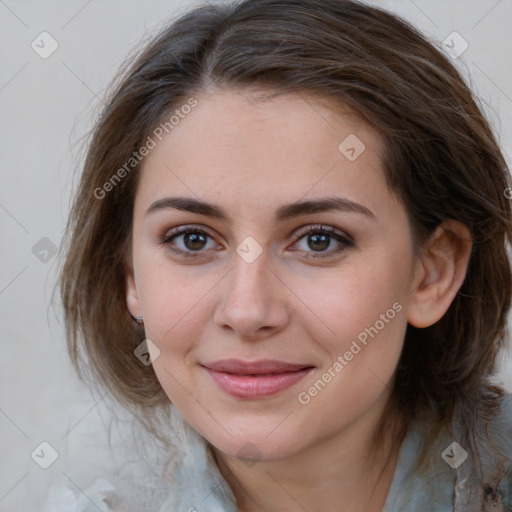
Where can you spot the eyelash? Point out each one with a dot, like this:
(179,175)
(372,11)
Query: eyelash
(342,238)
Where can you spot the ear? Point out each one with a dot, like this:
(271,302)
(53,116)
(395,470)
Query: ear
(132,297)
(440,274)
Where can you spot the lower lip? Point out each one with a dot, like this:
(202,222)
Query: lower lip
(250,386)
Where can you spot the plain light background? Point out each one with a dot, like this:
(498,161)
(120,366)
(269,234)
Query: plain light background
(47,106)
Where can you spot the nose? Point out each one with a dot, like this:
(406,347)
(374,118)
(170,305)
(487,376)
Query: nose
(254,300)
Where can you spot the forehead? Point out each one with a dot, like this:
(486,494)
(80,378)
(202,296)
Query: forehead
(235,147)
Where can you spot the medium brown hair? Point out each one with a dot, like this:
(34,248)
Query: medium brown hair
(441,159)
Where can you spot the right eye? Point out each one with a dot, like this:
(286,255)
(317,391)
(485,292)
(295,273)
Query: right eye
(187,241)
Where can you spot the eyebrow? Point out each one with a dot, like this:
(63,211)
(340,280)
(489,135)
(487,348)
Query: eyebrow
(285,212)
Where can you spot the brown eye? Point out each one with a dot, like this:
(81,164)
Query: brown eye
(188,241)
(318,239)
(319,242)
(194,241)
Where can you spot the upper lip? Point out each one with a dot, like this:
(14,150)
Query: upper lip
(262,366)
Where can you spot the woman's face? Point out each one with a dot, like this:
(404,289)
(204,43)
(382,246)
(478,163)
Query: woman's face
(247,282)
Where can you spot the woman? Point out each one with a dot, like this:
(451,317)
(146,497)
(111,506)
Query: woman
(296,211)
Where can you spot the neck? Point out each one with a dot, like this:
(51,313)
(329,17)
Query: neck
(336,474)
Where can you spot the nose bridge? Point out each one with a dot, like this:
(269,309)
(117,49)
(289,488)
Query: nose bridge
(251,298)
(249,274)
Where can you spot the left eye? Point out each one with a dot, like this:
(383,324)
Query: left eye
(319,238)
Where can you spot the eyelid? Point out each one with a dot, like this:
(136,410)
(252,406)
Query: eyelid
(179,230)
(344,240)
(311,228)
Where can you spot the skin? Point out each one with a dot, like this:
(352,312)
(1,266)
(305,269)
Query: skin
(251,157)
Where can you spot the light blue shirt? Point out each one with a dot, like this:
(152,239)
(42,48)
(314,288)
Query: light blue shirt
(198,486)
(434,491)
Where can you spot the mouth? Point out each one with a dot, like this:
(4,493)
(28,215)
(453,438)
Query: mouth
(255,379)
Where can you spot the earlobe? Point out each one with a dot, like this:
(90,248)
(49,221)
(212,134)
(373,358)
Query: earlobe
(442,271)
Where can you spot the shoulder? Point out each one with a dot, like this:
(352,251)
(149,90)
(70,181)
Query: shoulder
(433,488)
(500,427)
(183,479)
(500,432)
(129,490)
(64,496)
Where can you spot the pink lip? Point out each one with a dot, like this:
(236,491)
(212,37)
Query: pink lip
(255,379)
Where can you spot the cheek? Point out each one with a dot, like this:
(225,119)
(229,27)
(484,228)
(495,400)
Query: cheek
(354,300)
(173,302)
(367,316)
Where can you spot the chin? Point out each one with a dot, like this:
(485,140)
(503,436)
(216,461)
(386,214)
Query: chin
(255,445)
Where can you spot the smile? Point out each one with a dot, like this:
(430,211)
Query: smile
(255,379)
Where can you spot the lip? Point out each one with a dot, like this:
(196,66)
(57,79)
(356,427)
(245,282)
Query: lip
(255,379)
